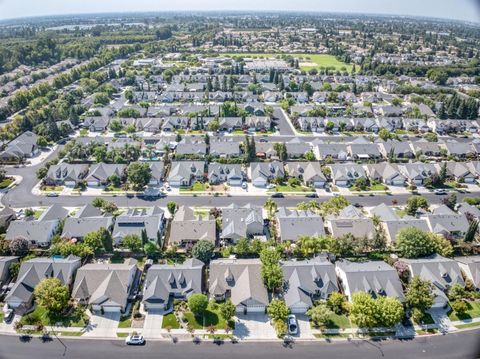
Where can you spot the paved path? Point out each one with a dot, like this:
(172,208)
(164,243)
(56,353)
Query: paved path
(103,326)
(153,324)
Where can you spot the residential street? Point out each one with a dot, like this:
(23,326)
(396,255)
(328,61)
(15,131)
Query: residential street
(462,345)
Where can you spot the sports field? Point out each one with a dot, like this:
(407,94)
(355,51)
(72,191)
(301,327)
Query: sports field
(307,61)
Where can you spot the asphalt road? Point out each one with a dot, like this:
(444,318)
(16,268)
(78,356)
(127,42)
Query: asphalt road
(464,345)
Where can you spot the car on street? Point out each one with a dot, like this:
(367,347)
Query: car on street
(52,194)
(135,339)
(440,192)
(292,324)
(312,195)
(277,195)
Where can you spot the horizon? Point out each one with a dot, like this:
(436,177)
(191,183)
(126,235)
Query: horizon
(465,10)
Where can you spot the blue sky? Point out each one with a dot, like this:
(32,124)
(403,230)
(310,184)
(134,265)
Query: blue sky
(452,9)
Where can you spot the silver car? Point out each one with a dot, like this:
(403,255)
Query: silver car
(135,340)
(292,324)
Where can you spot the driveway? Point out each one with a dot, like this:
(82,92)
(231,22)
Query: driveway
(254,326)
(305,330)
(103,325)
(153,324)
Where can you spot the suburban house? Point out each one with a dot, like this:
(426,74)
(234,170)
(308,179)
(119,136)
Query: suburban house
(225,173)
(470,267)
(230,123)
(33,271)
(186,228)
(376,278)
(148,220)
(96,124)
(241,222)
(106,287)
(87,219)
(444,221)
(418,172)
(396,149)
(37,232)
(258,123)
(364,151)
(24,146)
(442,272)
(265,149)
(157,170)
(184,173)
(345,174)
(334,151)
(307,281)
(225,148)
(167,282)
(468,210)
(171,124)
(262,172)
(310,173)
(239,280)
(100,173)
(66,174)
(387,173)
(297,148)
(350,221)
(191,146)
(423,147)
(293,224)
(460,172)
(460,150)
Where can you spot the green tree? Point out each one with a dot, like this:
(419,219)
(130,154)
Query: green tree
(413,242)
(414,203)
(19,247)
(442,245)
(151,249)
(419,294)
(139,175)
(106,238)
(363,310)
(171,207)
(203,250)
(280,328)
(94,241)
(472,231)
(198,303)
(336,302)
(390,311)
(271,271)
(132,242)
(385,134)
(227,310)
(456,292)
(320,314)
(278,310)
(52,295)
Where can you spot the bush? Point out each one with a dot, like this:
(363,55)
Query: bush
(19,247)
(336,302)
(198,303)
(280,328)
(459,306)
(278,310)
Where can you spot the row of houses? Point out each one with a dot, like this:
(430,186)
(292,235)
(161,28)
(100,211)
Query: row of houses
(110,287)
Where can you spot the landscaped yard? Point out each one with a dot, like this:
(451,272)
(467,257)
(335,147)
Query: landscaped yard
(211,317)
(6,182)
(196,187)
(473,311)
(468,325)
(427,319)
(337,322)
(170,321)
(289,188)
(77,318)
(52,188)
(125,322)
(306,61)
(375,187)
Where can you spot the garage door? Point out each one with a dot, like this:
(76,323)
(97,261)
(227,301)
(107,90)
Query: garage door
(111,309)
(256,309)
(298,310)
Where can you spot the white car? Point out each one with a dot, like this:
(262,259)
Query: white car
(244,185)
(292,325)
(167,186)
(270,186)
(135,340)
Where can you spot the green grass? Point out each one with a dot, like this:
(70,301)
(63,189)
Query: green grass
(196,187)
(125,322)
(468,325)
(427,331)
(332,336)
(70,334)
(218,336)
(309,61)
(122,335)
(5,183)
(427,319)
(289,188)
(76,319)
(473,311)
(170,320)
(83,132)
(211,317)
(336,322)
(376,187)
(52,188)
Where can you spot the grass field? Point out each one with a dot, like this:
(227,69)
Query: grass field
(307,61)
(171,321)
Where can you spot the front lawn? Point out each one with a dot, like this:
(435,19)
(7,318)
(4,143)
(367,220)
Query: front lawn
(473,311)
(196,187)
(291,188)
(170,321)
(76,318)
(125,322)
(468,325)
(337,322)
(375,187)
(211,317)
(427,319)
(6,182)
(51,188)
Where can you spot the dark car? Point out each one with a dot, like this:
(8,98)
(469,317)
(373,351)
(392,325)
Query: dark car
(278,195)
(312,195)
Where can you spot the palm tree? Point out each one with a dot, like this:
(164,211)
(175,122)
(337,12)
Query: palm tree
(271,207)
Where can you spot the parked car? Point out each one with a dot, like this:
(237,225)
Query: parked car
(8,315)
(52,194)
(312,195)
(135,340)
(277,195)
(244,185)
(270,186)
(292,324)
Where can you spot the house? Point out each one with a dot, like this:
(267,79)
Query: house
(230,123)
(100,173)
(364,151)
(310,173)
(37,232)
(108,287)
(192,146)
(460,150)
(307,281)
(460,172)
(346,174)
(66,174)
(393,226)
(224,173)
(293,224)
(87,219)
(396,149)
(442,272)
(241,222)
(297,148)
(334,151)
(265,149)
(444,221)
(167,282)
(365,124)
(171,124)
(311,124)
(387,173)
(262,172)
(468,210)
(376,278)
(31,272)
(24,146)
(423,147)
(258,123)
(352,221)
(470,267)
(96,124)
(186,228)
(184,173)
(136,221)
(417,172)
(5,272)
(148,124)
(225,148)
(7,215)
(239,280)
